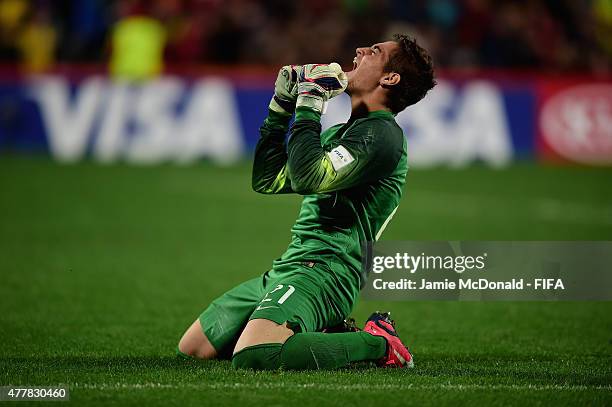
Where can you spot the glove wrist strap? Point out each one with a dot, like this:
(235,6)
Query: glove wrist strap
(313,102)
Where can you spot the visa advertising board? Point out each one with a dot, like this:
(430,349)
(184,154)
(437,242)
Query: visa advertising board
(182,120)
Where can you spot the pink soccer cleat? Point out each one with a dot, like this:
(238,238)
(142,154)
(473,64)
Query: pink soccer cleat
(379,324)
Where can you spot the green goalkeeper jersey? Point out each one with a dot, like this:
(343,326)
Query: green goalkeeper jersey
(351,175)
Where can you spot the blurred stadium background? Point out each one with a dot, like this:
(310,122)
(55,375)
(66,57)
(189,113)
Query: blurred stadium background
(183,80)
(126,131)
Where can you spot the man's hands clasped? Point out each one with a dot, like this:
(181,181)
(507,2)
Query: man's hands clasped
(310,86)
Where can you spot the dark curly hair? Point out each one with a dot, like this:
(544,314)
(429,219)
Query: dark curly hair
(415,67)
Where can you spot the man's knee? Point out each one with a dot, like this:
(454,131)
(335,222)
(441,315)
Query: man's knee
(194,343)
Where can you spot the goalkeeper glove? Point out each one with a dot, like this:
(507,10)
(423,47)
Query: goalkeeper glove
(285,90)
(318,83)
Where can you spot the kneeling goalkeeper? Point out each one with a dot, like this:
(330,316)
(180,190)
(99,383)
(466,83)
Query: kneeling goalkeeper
(351,176)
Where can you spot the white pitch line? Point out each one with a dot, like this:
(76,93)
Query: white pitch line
(334,387)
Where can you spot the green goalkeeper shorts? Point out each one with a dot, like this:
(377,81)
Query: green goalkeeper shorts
(308,296)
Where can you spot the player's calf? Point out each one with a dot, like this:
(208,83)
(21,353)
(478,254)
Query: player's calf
(265,345)
(195,344)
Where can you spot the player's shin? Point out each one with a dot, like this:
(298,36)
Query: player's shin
(316,350)
(312,351)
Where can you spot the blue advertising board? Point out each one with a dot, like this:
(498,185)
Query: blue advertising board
(173,119)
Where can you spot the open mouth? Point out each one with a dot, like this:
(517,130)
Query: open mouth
(355,63)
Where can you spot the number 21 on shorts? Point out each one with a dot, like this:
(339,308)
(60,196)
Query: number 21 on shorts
(283,298)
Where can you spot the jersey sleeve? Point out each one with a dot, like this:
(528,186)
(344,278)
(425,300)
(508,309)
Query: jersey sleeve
(269,165)
(368,151)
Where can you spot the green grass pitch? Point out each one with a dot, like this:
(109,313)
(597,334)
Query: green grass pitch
(103,267)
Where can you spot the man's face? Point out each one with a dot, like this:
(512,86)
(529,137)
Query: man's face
(369,66)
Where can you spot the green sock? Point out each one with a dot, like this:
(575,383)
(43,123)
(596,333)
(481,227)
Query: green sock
(265,356)
(311,351)
(316,350)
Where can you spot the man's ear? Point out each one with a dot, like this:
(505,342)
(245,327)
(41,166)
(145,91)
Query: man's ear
(390,79)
